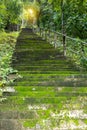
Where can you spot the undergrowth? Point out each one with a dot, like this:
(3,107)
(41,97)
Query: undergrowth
(7,45)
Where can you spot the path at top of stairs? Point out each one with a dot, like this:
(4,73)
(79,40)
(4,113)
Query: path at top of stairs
(52,93)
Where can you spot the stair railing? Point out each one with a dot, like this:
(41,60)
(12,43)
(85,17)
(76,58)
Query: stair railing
(71,47)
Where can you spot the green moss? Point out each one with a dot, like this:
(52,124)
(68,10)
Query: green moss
(44,114)
(76,121)
(30,123)
(0,94)
(85,121)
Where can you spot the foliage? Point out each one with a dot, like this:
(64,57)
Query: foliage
(10,12)
(3,15)
(75,16)
(13,8)
(7,45)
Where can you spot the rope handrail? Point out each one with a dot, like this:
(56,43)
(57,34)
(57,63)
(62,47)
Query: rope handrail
(64,35)
(71,47)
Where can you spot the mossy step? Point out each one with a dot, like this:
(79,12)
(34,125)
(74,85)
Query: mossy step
(32,44)
(29,114)
(49,61)
(51,100)
(32,38)
(18,115)
(36,58)
(27,41)
(55,123)
(51,93)
(65,72)
(21,107)
(42,124)
(53,78)
(31,62)
(42,62)
(25,35)
(57,76)
(16,102)
(42,65)
(44,68)
(37,64)
(15,106)
(38,52)
(71,75)
(38,61)
(50,89)
(57,83)
(48,50)
(33,49)
(41,49)
(66,76)
(10,124)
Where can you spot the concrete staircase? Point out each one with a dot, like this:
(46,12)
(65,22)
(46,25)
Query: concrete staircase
(51,93)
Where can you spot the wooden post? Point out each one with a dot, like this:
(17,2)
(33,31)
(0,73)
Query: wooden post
(46,34)
(42,34)
(82,49)
(40,31)
(22,23)
(64,45)
(55,38)
(49,35)
(63,27)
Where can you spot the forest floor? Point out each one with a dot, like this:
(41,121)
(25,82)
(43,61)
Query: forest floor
(51,93)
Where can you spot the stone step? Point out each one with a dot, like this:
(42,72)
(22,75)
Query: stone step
(36,43)
(59,75)
(40,62)
(43,68)
(18,115)
(34,113)
(32,124)
(52,78)
(50,82)
(49,85)
(12,124)
(59,72)
(32,52)
(21,102)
